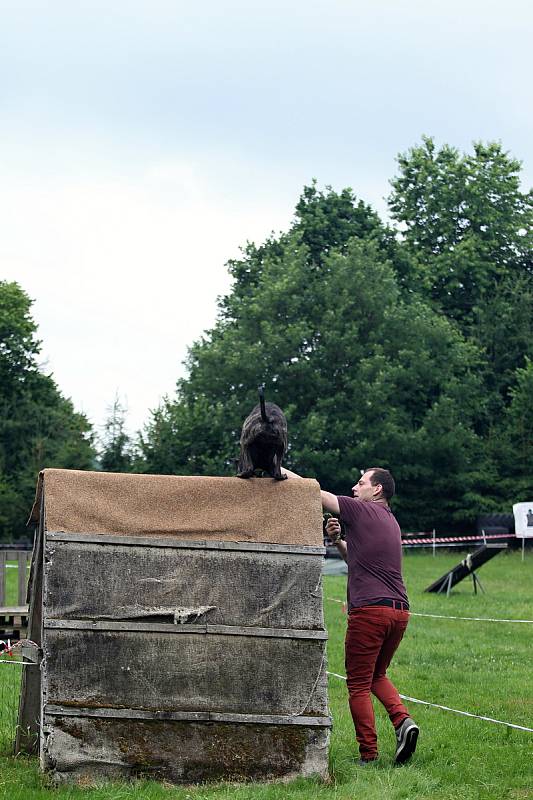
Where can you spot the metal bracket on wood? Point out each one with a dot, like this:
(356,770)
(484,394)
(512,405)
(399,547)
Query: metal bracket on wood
(476,582)
(447,584)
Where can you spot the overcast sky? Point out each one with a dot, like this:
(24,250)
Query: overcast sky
(144,141)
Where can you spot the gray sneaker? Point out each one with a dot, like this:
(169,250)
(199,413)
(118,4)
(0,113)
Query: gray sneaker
(406,738)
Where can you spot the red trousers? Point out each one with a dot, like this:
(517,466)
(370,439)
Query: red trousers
(372,638)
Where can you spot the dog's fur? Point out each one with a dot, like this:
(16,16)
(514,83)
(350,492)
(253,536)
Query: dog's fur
(263,440)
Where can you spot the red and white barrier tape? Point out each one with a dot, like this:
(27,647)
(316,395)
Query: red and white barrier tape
(447,539)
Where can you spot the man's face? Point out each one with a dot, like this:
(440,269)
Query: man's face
(363,489)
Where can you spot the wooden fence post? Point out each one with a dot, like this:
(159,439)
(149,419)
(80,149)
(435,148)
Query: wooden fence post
(22,561)
(2,577)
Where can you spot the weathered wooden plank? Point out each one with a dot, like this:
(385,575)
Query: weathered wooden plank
(153,671)
(182,716)
(86,750)
(22,560)
(13,624)
(52,709)
(276,633)
(169,541)
(2,577)
(262,589)
(29,716)
(12,555)
(175,628)
(122,627)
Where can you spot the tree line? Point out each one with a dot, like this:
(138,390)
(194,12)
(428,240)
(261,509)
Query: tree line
(405,344)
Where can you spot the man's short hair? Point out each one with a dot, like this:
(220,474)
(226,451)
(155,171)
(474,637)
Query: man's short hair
(382,476)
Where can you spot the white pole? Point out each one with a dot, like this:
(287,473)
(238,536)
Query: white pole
(433,542)
(523,545)
(484,536)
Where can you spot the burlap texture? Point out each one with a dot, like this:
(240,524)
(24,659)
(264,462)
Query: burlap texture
(223,509)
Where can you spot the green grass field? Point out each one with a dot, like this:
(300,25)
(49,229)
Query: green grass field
(481,667)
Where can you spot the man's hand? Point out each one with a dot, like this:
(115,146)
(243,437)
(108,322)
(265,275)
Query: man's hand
(333,529)
(289,473)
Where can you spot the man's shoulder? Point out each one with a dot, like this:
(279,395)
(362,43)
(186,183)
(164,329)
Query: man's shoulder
(350,505)
(354,507)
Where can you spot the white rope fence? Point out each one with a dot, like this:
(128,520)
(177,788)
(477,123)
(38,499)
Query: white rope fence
(453,710)
(436,705)
(472,619)
(403,696)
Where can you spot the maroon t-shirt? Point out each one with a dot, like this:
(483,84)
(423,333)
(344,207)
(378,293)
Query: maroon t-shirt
(373,539)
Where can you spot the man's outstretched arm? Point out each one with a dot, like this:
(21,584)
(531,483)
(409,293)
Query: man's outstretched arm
(329,501)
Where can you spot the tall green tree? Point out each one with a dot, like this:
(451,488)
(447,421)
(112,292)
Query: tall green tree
(403,348)
(503,327)
(364,373)
(38,426)
(465,222)
(467,230)
(116,448)
(511,440)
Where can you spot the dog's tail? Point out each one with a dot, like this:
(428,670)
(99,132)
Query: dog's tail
(261,391)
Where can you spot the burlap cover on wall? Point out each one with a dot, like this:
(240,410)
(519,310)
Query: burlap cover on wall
(225,509)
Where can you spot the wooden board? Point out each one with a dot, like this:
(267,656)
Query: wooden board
(30,702)
(86,750)
(121,582)
(185,672)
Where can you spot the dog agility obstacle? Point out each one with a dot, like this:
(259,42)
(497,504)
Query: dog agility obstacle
(467,566)
(181,627)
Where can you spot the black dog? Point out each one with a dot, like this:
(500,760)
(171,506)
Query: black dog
(263,440)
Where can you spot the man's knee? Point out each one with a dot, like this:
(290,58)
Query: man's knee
(378,676)
(359,685)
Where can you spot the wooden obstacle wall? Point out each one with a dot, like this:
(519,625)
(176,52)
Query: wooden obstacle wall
(190,649)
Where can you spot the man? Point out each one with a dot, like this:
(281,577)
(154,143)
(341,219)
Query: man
(378,606)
